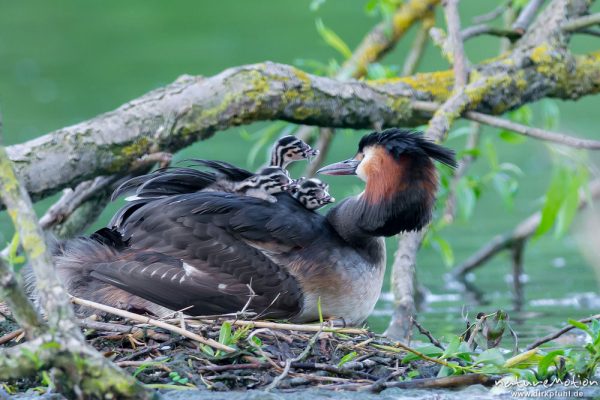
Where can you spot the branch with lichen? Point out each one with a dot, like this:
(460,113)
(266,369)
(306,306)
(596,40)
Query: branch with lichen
(79,371)
(109,143)
(21,307)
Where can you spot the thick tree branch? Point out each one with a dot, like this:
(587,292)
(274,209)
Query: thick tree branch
(52,296)
(22,309)
(74,365)
(78,370)
(109,143)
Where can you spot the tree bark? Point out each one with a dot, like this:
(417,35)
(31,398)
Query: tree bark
(195,108)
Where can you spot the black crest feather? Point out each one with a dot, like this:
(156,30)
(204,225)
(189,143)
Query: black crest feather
(399,141)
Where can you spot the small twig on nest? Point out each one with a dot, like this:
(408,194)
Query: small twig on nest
(146,320)
(289,361)
(147,349)
(404,347)
(138,332)
(300,327)
(10,336)
(560,332)
(428,334)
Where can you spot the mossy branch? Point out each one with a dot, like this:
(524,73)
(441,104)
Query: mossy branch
(23,310)
(109,143)
(79,371)
(51,295)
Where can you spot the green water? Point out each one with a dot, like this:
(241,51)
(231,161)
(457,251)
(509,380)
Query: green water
(68,60)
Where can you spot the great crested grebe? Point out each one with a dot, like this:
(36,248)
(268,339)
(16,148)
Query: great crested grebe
(311,193)
(210,252)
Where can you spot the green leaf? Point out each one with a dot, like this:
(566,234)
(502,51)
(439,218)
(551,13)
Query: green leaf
(445,249)
(50,346)
(320,310)
(554,199)
(371,6)
(225,333)
(348,357)
(465,199)
(468,152)
(333,40)
(413,374)
(570,204)
(546,362)
(491,155)
(595,327)
(511,137)
(490,356)
(445,371)
(207,350)
(429,350)
(580,325)
(522,115)
(550,114)
(527,375)
(506,186)
(452,348)
(379,71)
(510,167)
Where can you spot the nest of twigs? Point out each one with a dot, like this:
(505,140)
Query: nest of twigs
(266,355)
(233,352)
